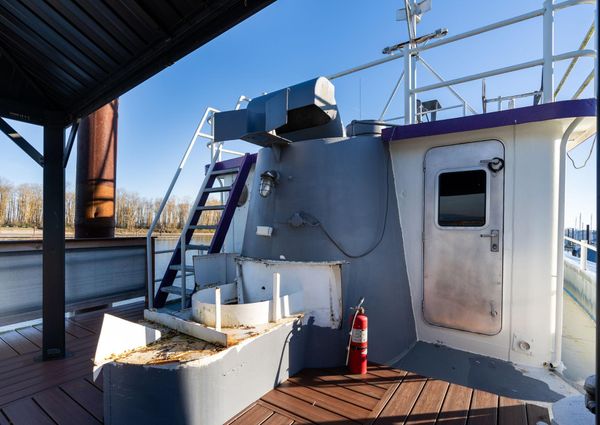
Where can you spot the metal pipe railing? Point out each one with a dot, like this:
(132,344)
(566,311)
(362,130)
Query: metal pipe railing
(505,70)
(150,263)
(440,78)
(583,253)
(584,43)
(547,61)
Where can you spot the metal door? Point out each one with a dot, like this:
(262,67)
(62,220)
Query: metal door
(462,236)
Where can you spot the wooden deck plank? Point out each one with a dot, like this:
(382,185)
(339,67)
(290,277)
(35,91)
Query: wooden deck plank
(47,378)
(68,337)
(511,412)
(278,419)
(257,414)
(362,386)
(401,403)
(334,390)
(429,403)
(484,408)
(301,408)
(63,409)
(18,342)
(32,334)
(297,419)
(34,367)
(87,395)
(16,365)
(6,351)
(537,414)
(455,409)
(333,404)
(26,412)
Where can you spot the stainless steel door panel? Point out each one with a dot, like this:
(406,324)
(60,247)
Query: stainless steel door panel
(462,284)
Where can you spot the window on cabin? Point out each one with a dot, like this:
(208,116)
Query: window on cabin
(461,199)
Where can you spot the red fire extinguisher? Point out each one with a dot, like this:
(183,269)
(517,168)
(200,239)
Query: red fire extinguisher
(356,359)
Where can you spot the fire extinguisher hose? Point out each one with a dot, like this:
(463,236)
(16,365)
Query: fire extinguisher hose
(356,311)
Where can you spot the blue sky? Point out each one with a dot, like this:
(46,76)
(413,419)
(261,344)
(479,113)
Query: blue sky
(292,41)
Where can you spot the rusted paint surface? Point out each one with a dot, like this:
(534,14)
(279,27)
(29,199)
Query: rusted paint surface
(96,173)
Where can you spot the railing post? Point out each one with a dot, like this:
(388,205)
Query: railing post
(584,255)
(218,309)
(548,47)
(408,95)
(276,294)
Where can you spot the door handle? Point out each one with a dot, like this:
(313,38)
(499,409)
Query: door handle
(495,164)
(494,236)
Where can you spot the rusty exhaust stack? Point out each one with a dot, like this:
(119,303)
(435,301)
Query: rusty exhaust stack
(96,174)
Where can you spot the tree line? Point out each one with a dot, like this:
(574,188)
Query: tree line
(21,206)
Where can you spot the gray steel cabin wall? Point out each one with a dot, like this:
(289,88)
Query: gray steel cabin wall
(343,183)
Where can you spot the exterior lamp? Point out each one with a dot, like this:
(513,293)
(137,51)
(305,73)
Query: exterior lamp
(268,180)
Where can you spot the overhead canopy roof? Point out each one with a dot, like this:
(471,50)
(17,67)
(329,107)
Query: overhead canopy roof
(62,59)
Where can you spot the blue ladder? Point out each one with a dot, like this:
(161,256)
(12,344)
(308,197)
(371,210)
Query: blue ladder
(241,167)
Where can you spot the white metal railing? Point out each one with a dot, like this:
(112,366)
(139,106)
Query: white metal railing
(412,52)
(583,253)
(216,150)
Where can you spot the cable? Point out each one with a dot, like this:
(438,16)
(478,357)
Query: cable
(587,159)
(313,221)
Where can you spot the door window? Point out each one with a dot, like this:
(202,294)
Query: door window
(462,198)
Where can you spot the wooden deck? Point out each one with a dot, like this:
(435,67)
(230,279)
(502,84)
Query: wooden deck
(383,396)
(62,391)
(58,391)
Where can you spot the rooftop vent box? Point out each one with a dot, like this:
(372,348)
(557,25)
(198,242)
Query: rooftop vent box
(304,111)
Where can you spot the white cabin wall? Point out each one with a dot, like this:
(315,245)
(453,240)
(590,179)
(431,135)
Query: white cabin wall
(530,197)
(535,199)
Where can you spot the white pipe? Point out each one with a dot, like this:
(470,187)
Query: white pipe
(583,256)
(548,49)
(441,79)
(408,111)
(476,31)
(365,66)
(585,83)
(558,273)
(276,294)
(389,101)
(506,69)
(218,309)
(569,3)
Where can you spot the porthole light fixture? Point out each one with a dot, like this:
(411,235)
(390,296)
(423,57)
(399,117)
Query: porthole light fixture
(268,180)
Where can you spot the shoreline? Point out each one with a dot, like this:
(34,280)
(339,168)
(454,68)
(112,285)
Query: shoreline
(29,233)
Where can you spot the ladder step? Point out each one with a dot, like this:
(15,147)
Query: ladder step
(201,247)
(204,227)
(225,172)
(176,290)
(217,189)
(178,267)
(211,208)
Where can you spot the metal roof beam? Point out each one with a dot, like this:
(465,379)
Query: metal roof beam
(14,135)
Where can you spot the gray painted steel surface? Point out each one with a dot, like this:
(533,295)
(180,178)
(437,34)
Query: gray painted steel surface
(347,186)
(463,264)
(96,272)
(200,393)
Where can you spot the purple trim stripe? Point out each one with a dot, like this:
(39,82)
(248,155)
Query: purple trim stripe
(544,112)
